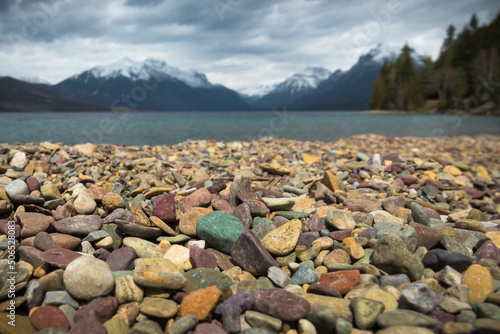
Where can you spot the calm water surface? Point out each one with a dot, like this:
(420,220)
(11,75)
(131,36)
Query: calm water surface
(158,128)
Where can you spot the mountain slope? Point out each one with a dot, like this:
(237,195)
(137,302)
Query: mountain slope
(293,88)
(151,85)
(17,95)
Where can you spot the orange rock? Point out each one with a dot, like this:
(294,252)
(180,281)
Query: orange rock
(309,159)
(343,280)
(200,303)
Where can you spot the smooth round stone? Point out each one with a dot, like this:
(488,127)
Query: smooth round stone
(405,330)
(48,316)
(126,291)
(87,278)
(419,297)
(281,304)
(144,248)
(79,225)
(32,223)
(137,230)
(15,188)
(264,321)
(479,281)
(337,256)
(183,324)
(159,307)
(390,303)
(366,312)
(342,281)
(220,230)
(158,273)
(84,203)
(282,240)
(112,201)
(340,220)
(405,318)
(437,259)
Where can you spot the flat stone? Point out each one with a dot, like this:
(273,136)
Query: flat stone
(201,258)
(405,330)
(201,278)
(437,259)
(419,297)
(392,256)
(379,295)
(366,312)
(137,230)
(200,197)
(249,253)
(342,281)
(59,257)
(405,318)
(122,259)
(200,303)
(44,241)
(337,256)
(159,307)
(427,237)
(183,324)
(242,212)
(220,230)
(264,321)
(281,304)
(479,281)
(164,208)
(277,204)
(407,233)
(78,225)
(48,316)
(282,240)
(162,226)
(380,216)
(337,306)
(189,220)
(126,291)
(144,248)
(340,220)
(102,309)
(32,223)
(419,214)
(158,273)
(87,278)
(278,277)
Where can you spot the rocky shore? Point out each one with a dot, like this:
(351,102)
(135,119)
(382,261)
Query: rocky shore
(364,235)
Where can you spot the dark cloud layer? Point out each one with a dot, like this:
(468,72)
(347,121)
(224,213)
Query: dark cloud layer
(239,43)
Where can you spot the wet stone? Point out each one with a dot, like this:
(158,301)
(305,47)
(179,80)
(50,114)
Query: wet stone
(281,304)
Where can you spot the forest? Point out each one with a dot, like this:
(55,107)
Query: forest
(464,77)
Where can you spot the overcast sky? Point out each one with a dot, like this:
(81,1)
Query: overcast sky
(238,43)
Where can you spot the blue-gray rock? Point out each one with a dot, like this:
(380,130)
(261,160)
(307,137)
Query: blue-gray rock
(419,297)
(407,233)
(304,275)
(419,214)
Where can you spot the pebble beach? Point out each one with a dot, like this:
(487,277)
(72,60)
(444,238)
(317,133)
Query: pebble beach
(367,234)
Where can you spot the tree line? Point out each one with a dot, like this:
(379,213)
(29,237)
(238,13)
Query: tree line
(465,76)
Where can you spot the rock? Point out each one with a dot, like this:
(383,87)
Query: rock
(32,223)
(183,324)
(200,197)
(419,297)
(392,203)
(449,276)
(179,255)
(158,273)
(16,188)
(158,307)
(484,325)
(479,281)
(380,216)
(407,233)
(146,326)
(391,255)
(342,281)
(48,316)
(338,307)
(116,325)
(282,240)
(304,275)
(200,303)
(437,259)
(242,212)
(365,202)
(126,291)
(164,208)
(281,304)
(278,277)
(189,220)
(277,204)
(101,309)
(201,278)
(379,295)
(112,201)
(366,312)
(427,237)
(219,229)
(405,330)
(143,248)
(79,225)
(405,318)
(137,230)
(162,226)
(59,257)
(330,181)
(49,191)
(201,258)
(86,278)
(488,250)
(249,253)
(261,320)
(84,203)
(340,220)
(337,256)
(231,318)
(419,215)
(57,298)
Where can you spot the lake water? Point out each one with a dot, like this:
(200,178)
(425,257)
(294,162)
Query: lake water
(158,128)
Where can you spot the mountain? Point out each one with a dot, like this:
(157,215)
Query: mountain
(150,85)
(293,88)
(351,90)
(17,95)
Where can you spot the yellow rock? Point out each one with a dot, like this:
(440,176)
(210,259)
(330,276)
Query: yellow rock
(384,297)
(200,303)
(452,170)
(49,146)
(432,175)
(302,204)
(179,255)
(310,159)
(479,281)
(483,172)
(323,243)
(105,242)
(165,244)
(353,249)
(330,181)
(493,236)
(282,240)
(86,149)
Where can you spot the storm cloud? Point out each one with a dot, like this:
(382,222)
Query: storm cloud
(238,43)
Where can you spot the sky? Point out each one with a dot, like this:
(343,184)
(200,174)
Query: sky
(242,44)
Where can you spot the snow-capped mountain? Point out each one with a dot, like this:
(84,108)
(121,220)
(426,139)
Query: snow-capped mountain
(35,80)
(150,85)
(150,68)
(383,52)
(293,88)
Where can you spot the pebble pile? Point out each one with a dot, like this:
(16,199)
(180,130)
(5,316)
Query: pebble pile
(364,235)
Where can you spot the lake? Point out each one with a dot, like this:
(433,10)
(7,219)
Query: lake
(158,128)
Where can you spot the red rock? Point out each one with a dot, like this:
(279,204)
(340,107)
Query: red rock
(122,259)
(201,258)
(412,179)
(32,183)
(205,328)
(32,223)
(323,289)
(340,235)
(427,236)
(200,197)
(222,205)
(88,325)
(102,309)
(164,207)
(59,257)
(96,192)
(475,194)
(343,281)
(488,250)
(281,304)
(48,316)
(61,212)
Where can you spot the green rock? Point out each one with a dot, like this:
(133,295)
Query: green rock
(183,324)
(116,234)
(485,325)
(343,326)
(262,226)
(146,327)
(419,214)
(487,310)
(122,273)
(249,286)
(220,230)
(137,200)
(201,278)
(366,312)
(53,204)
(339,307)
(304,275)
(402,317)
(292,214)
(466,316)
(178,239)
(309,253)
(284,261)
(339,266)
(324,321)
(462,165)
(261,320)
